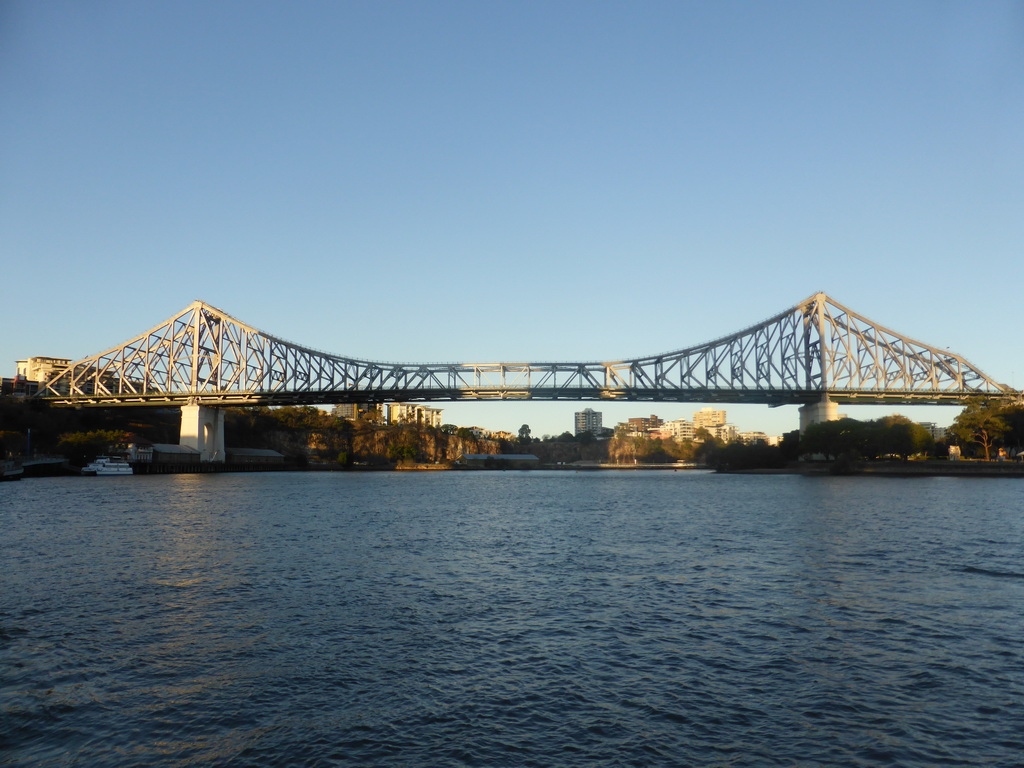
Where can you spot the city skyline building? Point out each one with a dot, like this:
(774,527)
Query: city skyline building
(588,420)
(708,418)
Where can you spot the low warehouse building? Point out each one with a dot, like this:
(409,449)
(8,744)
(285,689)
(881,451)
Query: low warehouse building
(169,453)
(254,456)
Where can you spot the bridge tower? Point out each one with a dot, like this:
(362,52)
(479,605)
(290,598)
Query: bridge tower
(202,428)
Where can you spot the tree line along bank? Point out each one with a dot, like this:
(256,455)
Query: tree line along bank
(983,430)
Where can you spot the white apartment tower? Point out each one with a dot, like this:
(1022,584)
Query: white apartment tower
(678,429)
(410,413)
(588,420)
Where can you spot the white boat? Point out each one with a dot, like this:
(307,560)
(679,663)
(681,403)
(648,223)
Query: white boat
(107,466)
(10,470)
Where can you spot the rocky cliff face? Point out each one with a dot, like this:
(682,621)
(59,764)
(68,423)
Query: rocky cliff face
(420,444)
(645,450)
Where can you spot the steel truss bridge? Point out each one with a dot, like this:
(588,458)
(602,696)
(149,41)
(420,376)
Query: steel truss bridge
(818,348)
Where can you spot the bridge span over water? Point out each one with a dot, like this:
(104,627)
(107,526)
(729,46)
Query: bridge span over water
(815,354)
(814,350)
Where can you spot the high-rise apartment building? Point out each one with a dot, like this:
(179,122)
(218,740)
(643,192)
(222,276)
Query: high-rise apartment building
(410,413)
(708,418)
(588,420)
(678,429)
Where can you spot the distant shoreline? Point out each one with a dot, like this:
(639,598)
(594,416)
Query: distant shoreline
(805,469)
(935,468)
(897,469)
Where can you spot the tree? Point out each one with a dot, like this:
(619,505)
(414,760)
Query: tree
(524,434)
(899,436)
(373,414)
(831,438)
(790,445)
(404,451)
(707,452)
(83,447)
(654,452)
(737,456)
(979,423)
(1013,438)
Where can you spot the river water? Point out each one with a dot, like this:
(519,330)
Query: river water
(511,619)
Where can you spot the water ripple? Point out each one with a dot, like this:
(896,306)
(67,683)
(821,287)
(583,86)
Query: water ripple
(511,619)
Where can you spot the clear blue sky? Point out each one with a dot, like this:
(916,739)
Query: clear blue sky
(466,181)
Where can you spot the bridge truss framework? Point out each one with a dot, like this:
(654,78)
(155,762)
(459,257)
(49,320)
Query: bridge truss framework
(203,356)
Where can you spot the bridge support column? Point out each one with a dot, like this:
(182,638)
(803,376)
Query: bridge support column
(202,428)
(816,413)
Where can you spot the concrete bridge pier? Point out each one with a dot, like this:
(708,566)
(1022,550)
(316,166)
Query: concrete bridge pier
(816,413)
(202,428)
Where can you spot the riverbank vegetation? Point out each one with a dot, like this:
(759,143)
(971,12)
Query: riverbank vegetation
(891,436)
(304,434)
(982,430)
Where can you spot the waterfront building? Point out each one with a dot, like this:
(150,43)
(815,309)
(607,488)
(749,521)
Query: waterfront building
(708,418)
(588,420)
(141,451)
(724,432)
(40,368)
(644,425)
(254,456)
(497,461)
(678,429)
(409,413)
(169,453)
